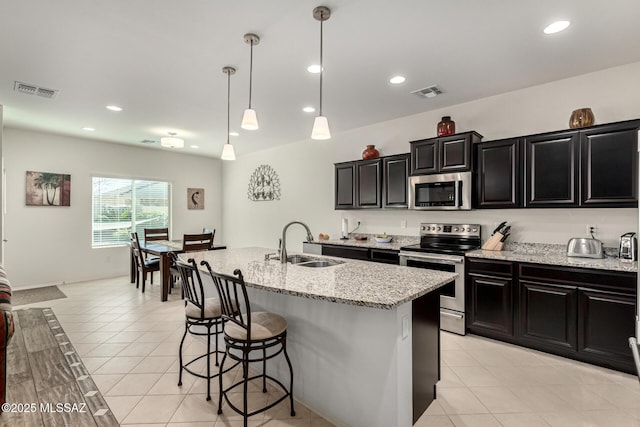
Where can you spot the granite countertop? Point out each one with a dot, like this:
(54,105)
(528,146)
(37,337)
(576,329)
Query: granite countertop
(396,243)
(361,283)
(553,254)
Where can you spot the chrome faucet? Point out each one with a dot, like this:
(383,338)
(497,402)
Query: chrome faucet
(283,251)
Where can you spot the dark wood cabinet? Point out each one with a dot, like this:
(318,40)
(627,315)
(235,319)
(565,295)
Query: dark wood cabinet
(490,298)
(552,170)
(345,185)
(609,165)
(499,177)
(548,315)
(395,173)
(368,184)
(582,313)
(450,153)
(606,320)
(386,256)
(372,184)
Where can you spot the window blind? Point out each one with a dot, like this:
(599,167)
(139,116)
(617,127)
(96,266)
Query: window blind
(121,206)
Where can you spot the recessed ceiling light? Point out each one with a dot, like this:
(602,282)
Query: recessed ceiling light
(194,146)
(114,108)
(88,129)
(315,68)
(396,80)
(556,27)
(308,109)
(234,134)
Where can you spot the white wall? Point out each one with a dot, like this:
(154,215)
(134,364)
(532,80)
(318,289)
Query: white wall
(53,244)
(307,174)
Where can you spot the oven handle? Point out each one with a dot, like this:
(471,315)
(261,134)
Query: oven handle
(445,313)
(432,258)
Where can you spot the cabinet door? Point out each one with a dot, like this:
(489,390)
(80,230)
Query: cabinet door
(345,191)
(455,153)
(498,168)
(552,170)
(609,159)
(491,301)
(606,320)
(345,252)
(548,316)
(368,184)
(424,156)
(395,178)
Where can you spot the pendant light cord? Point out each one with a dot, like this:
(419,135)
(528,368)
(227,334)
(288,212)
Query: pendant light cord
(228,102)
(250,73)
(321,64)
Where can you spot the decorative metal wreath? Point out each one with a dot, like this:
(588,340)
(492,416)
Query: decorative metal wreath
(264,184)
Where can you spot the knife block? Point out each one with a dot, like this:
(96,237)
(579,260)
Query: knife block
(494,243)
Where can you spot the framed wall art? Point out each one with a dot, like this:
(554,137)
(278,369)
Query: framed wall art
(48,189)
(264,184)
(195,198)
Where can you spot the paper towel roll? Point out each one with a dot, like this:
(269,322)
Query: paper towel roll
(345,227)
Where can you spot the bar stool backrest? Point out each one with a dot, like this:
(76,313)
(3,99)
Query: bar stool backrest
(192,288)
(234,300)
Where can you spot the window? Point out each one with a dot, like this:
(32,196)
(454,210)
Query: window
(121,206)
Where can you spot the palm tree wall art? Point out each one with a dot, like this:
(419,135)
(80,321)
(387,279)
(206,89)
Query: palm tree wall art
(48,189)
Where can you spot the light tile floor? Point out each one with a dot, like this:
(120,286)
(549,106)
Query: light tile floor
(129,343)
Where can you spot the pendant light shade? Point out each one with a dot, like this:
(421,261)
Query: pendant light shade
(228,153)
(249,118)
(321,128)
(321,124)
(171,141)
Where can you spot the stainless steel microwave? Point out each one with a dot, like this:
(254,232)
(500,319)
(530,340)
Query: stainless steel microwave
(447,191)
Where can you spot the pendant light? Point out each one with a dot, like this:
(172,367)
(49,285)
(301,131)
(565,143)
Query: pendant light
(171,141)
(227,151)
(249,118)
(321,124)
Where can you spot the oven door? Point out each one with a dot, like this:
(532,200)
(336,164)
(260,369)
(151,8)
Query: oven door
(452,295)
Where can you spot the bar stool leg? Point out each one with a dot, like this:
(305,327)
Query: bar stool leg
(186,329)
(217,334)
(264,370)
(245,386)
(286,355)
(220,382)
(209,362)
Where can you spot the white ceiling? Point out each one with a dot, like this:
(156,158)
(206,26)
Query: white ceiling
(161,60)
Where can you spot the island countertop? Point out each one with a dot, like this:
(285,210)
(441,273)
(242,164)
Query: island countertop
(361,283)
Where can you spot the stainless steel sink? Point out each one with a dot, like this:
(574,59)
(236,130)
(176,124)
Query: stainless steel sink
(304,261)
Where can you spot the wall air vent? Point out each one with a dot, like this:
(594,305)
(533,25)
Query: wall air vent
(428,92)
(35,90)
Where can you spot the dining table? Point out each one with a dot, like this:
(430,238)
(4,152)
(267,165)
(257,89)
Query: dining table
(161,249)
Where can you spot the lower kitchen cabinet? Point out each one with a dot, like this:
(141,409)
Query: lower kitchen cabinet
(387,256)
(490,298)
(584,314)
(548,316)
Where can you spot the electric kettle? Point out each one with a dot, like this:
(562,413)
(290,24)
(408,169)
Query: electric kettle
(628,247)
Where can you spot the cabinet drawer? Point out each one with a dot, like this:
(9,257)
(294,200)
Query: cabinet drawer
(600,279)
(345,252)
(489,267)
(386,256)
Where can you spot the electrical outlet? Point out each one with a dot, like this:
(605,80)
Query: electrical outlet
(592,229)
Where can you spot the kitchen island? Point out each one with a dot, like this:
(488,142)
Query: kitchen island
(363,337)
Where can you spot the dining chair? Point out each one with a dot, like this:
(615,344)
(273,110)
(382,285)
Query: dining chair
(151,234)
(197,242)
(249,336)
(211,231)
(143,265)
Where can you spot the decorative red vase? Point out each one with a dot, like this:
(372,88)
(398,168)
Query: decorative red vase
(446,126)
(370,153)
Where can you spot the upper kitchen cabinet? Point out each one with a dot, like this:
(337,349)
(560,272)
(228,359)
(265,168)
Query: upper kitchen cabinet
(450,153)
(609,165)
(551,170)
(368,184)
(345,190)
(395,171)
(499,174)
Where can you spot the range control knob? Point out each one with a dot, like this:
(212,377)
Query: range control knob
(475,230)
(455,228)
(439,228)
(424,228)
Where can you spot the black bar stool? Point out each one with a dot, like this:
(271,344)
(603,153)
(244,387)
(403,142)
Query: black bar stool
(249,337)
(199,312)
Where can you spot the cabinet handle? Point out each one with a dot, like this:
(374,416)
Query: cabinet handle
(457,316)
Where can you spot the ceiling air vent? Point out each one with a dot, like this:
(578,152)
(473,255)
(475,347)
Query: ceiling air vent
(428,92)
(34,90)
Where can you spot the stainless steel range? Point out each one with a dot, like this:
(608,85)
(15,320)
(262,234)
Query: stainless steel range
(442,247)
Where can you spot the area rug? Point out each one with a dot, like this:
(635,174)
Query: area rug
(47,383)
(29,296)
